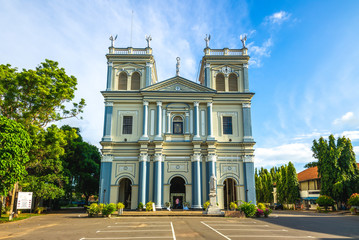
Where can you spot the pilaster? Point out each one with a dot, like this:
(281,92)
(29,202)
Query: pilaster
(105,179)
(158,180)
(159,121)
(247,122)
(149,67)
(145,121)
(249,184)
(196,121)
(107,121)
(109,76)
(245,77)
(196,181)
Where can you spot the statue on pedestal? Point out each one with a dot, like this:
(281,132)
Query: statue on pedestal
(113,39)
(206,39)
(213,208)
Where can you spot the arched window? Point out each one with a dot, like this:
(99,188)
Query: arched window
(122,83)
(177,125)
(233,83)
(135,81)
(220,82)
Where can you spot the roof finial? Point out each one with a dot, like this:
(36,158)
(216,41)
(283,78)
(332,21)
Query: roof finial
(148,39)
(178,66)
(113,39)
(244,39)
(207,38)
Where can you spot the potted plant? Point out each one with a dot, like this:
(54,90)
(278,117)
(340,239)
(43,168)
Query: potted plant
(149,206)
(140,206)
(120,206)
(205,205)
(259,213)
(353,210)
(267,211)
(233,206)
(186,205)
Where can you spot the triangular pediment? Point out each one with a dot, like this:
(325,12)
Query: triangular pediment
(178,84)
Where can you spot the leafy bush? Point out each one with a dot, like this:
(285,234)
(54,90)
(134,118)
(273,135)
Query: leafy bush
(101,206)
(93,209)
(168,204)
(186,204)
(120,205)
(140,205)
(205,205)
(233,205)
(261,206)
(109,209)
(354,200)
(248,208)
(267,211)
(149,206)
(325,201)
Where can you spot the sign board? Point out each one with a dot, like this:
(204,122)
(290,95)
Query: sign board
(24,200)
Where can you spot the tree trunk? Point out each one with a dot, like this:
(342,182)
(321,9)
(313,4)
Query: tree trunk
(12,203)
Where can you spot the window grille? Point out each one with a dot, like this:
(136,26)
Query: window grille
(227,125)
(127,125)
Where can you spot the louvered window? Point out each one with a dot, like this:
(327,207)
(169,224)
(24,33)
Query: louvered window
(227,125)
(233,83)
(220,82)
(127,125)
(135,81)
(177,125)
(122,84)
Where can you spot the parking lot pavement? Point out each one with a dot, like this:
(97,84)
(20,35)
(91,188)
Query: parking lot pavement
(135,230)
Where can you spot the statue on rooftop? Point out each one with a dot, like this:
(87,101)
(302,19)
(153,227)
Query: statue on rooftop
(178,66)
(148,39)
(244,39)
(113,39)
(207,38)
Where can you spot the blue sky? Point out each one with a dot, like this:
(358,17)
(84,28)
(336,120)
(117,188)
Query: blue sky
(304,58)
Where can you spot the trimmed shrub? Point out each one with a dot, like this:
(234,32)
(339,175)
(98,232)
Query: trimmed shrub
(354,200)
(248,208)
(325,201)
(109,209)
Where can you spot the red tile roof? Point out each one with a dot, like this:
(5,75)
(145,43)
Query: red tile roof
(310,174)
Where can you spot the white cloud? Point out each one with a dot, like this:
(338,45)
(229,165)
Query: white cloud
(258,52)
(356,151)
(279,155)
(277,18)
(352,135)
(349,120)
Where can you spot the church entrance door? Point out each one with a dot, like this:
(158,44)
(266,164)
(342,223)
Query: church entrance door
(229,192)
(177,192)
(124,193)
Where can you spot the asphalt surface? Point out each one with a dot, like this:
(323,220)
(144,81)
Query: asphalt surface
(281,225)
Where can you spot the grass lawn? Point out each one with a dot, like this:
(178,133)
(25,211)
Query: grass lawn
(5,217)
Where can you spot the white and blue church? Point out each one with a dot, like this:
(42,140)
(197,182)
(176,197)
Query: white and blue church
(164,138)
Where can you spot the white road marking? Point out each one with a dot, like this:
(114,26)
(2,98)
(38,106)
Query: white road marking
(170,237)
(253,229)
(152,230)
(261,236)
(173,232)
(216,231)
(139,226)
(138,222)
(238,225)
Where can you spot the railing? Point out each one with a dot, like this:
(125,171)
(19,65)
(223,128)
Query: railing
(226,52)
(130,50)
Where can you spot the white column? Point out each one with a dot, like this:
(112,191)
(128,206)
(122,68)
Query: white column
(187,123)
(145,120)
(196,120)
(168,122)
(159,121)
(209,121)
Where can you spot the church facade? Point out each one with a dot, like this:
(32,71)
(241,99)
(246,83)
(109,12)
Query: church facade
(163,140)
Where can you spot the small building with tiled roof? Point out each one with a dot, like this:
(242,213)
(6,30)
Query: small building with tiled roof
(309,185)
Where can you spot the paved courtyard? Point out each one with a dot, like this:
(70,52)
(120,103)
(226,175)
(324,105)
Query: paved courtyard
(282,225)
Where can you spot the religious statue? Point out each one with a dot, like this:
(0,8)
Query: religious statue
(148,39)
(178,66)
(207,38)
(244,39)
(113,39)
(212,183)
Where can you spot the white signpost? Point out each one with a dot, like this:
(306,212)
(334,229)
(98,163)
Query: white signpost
(24,200)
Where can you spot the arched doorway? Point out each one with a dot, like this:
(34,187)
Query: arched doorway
(177,192)
(229,192)
(124,192)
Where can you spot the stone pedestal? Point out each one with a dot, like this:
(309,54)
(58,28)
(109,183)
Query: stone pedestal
(213,208)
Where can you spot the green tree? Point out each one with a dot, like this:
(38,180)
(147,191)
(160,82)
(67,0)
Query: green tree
(292,184)
(14,147)
(281,185)
(337,167)
(82,163)
(311,164)
(37,97)
(46,177)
